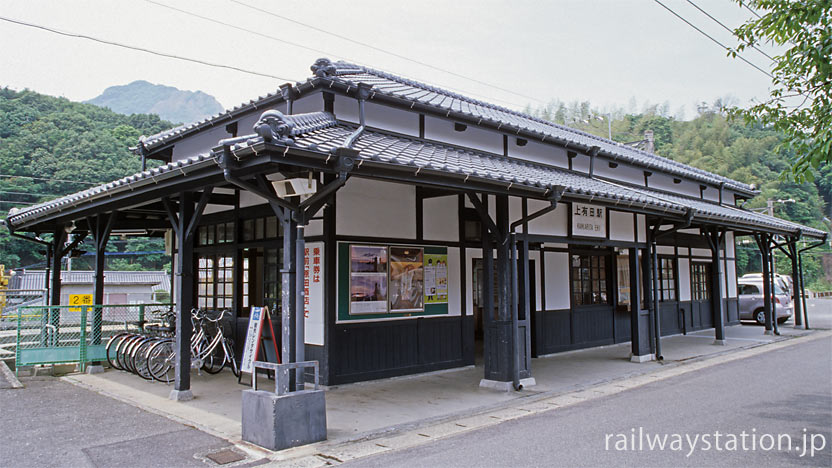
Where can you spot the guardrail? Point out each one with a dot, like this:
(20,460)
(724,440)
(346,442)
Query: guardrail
(67,334)
(11,300)
(281,374)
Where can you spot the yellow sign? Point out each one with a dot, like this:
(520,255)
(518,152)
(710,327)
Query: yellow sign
(79,300)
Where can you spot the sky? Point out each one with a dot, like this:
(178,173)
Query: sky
(613,53)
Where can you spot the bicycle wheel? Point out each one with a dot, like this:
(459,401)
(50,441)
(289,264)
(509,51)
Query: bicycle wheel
(139,357)
(128,353)
(160,361)
(232,361)
(121,349)
(112,346)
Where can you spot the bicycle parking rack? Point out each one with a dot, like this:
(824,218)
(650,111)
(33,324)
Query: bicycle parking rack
(284,418)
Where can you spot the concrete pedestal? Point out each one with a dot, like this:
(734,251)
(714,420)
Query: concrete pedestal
(720,342)
(642,358)
(95,369)
(181,395)
(278,422)
(506,386)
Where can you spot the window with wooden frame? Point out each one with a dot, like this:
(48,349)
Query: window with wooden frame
(215,281)
(700,281)
(667,279)
(589,279)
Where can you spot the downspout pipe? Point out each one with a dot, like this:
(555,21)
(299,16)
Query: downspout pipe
(655,236)
(515,319)
(800,265)
(363,94)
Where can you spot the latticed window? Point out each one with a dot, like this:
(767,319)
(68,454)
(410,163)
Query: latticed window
(589,279)
(701,281)
(667,279)
(215,282)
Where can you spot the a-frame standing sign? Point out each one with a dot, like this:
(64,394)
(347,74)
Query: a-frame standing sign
(256,342)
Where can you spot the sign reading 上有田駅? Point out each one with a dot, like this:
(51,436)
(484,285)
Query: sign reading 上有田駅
(589,220)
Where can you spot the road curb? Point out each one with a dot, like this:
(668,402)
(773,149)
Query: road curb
(330,453)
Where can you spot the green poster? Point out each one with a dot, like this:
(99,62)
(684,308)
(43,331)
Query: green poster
(436,278)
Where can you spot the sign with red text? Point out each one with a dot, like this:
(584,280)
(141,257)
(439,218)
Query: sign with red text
(313,293)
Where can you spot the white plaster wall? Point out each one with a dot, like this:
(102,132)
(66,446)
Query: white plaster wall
(711,194)
(389,118)
(249,199)
(624,172)
(346,108)
(515,211)
(199,143)
(378,209)
(642,228)
(690,231)
(209,208)
(473,137)
(310,103)
(580,163)
(730,244)
(683,251)
(621,225)
(557,280)
(684,279)
(440,220)
(535,255)
(665,182)
(665,250)
(732,278)
(701,253)
(454,282)
(538,152)
(553,223)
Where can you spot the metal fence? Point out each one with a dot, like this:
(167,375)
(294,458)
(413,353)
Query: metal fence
(11,301)
(68,334)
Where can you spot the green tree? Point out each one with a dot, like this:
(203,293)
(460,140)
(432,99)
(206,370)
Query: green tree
(800,103)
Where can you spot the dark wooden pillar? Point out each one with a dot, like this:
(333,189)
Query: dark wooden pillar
(639,326)
(99,227)
(499,335)
(764,244)
(288,294)
(185,302)
(58,241)
(798,306)
(716,241)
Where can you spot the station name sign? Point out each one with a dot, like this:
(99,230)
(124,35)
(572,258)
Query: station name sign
(589,220)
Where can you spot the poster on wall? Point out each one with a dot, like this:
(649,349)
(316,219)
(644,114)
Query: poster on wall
(368,279)
(313,290)
(589,220)
(436,278)
(407,279)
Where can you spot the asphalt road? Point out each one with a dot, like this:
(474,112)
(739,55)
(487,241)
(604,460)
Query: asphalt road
(779,392)
(53,423)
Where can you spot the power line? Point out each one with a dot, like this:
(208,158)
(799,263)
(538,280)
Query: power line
(32,193)
(751,10)
(48,179)
(712,39)
(319,51)
(16,202)
(141,49)
(234,26)
(388,52)
(727,28)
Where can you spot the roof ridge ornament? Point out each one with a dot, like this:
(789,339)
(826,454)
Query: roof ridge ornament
(323,68)
(275,127)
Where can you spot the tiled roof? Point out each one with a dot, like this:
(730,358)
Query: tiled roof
(182,166)
(475,110)
(320,132)
(416,92)
(34,279)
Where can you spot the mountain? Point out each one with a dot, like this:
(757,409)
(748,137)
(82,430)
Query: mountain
(169,103)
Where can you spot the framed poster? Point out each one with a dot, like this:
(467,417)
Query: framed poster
(436,278)
(368,279)
(407,279)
